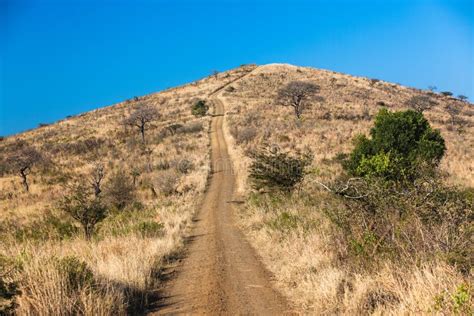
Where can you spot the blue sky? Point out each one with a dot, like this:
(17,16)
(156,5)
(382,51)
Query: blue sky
(59,58)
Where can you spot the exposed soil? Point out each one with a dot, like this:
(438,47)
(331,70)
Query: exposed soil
(221,273)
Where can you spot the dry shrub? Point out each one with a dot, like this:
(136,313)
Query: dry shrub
(245,135)
(167,182)
(120,191)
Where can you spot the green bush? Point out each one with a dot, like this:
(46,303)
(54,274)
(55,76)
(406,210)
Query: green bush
(380,219)
(75,272)
(400,144)
(9,288)
(85,208)
(276,170)
(284,222)
(199,108)
(49,226)
(141,222)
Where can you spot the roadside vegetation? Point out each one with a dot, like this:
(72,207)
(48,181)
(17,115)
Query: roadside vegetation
(95,206)
(377,222)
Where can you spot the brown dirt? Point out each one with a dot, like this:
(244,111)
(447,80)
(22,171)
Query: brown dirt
(221,273)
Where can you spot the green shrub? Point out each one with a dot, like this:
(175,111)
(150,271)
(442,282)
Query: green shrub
(460,302)
(9,288)
(150,229)
(199,108)
(49,226)
(75,272)
(380,219)
(284,222)
(85,208)
(400,144)
(141,222)
(276,170)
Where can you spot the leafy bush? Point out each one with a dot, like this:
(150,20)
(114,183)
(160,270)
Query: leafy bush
(141,222)
(199,108)
(273,169)
(75,272)
(49,226)
(400,143)
(9,288)
(389,219)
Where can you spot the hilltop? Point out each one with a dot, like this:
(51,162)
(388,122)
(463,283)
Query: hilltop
(153,185)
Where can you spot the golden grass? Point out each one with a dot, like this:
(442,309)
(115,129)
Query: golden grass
(303,258)
(125,262)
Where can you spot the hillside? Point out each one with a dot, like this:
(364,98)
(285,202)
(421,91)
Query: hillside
(164,177)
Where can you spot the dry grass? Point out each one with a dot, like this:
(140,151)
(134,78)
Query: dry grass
(130,246)
(295,239)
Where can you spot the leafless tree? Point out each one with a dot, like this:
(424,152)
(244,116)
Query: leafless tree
(453,112)
(432,88)
(141,117)
(421,103)
(297,94)
(22,161)
(97,176)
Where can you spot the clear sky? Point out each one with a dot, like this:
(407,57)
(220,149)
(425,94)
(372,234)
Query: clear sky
(59,58)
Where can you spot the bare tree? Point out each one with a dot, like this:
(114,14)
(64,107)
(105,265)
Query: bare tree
(432,88)
(453,112)
(141,118)
(23,161)
(297,94)
(97,176)
(421,103)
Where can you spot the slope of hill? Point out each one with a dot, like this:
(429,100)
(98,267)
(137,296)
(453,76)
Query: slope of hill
(163,180)
(165,177)
(297,236)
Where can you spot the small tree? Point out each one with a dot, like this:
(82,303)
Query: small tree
(400,144)
(297,94)
(199,108)
(462,97)
(453,112)
(446,93)
(85,208)
(141,118)
(421,103)
(120,190)
(23,160)
(432,88)
(274,169)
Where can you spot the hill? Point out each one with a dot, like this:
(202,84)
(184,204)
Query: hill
(163,177)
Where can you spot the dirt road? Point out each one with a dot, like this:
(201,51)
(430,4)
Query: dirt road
(221,274)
